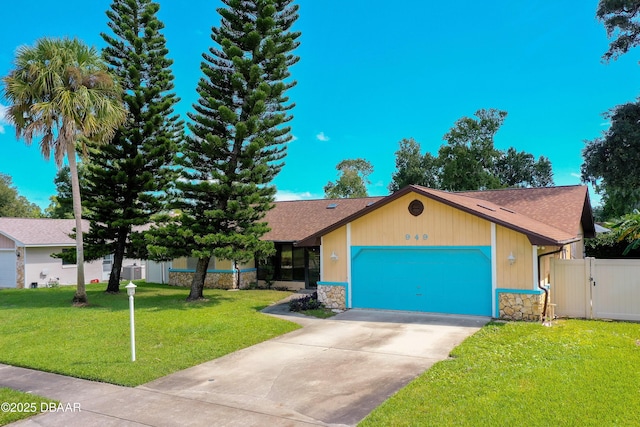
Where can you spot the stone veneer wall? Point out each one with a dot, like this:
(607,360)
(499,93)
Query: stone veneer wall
(213,279)
(521,306)
(332,296)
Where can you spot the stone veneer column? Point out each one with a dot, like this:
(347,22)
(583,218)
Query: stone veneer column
(521,306)
(20,268)
(332,296)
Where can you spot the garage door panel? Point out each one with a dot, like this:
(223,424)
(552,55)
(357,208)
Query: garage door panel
(432,279)
(8,269)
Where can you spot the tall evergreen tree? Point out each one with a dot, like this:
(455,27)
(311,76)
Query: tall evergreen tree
(61,205)
(238,136)
(127,181)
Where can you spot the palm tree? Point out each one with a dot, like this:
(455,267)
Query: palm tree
(60,91)
(628,230)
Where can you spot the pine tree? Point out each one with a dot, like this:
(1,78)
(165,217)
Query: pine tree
(238,137)
(128,179)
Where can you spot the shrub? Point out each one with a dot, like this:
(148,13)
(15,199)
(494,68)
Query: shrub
(309,302)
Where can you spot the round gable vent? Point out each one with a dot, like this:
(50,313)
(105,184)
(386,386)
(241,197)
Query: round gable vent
(416,208)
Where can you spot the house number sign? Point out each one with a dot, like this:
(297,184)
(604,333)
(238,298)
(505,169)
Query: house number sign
(416,237)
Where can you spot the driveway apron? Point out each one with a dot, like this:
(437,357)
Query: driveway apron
(331,372)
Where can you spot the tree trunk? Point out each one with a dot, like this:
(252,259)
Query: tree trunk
(197,284)
(114,277)
(80,297)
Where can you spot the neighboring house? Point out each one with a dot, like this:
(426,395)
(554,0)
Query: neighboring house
(478,253)
(26,246)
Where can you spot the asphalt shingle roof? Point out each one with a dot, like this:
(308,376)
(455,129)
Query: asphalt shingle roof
(39,231)
(546,215)
(560,207)
(292,221)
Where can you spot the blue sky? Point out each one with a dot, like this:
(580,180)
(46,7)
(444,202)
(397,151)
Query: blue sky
(372,73)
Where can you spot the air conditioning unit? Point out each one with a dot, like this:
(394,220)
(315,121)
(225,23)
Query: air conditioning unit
(132,272)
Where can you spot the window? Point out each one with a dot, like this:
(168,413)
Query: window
(288,264)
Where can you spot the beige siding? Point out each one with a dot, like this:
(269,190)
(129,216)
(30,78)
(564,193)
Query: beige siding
(438,225)
(40,267)
(179,263)
(335,242)
(518,275)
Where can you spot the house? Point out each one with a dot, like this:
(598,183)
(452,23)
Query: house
(293,267)
(477,253)
(26,249)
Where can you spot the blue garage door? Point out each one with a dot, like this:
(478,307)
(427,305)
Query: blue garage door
(454,280)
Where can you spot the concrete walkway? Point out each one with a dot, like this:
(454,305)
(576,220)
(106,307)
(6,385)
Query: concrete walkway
(330,372)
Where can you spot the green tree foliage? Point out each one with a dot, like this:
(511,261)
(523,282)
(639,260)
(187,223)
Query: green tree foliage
(627,229)
(12,204)
(61,91)
(622,241)
(468,158)
(520,169)
(237,140)
(621,20)
(61,205)
(127,181)
(413,168)
(611,162)
(609,246)
(352,181)
(470,161)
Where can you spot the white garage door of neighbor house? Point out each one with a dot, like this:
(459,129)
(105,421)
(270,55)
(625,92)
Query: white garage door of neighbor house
(454,280)
(8,269)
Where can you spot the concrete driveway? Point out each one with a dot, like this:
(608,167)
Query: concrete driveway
(331,372)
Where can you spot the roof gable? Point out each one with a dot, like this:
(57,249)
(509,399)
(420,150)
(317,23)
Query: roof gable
(540,232)
(38,231)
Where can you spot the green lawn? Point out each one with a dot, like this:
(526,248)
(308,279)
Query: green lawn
(17,405)
(40,329)
(578,372)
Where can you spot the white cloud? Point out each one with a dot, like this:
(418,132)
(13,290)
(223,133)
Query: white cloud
(3,118)
(576,175)
(322,137)
(285,195)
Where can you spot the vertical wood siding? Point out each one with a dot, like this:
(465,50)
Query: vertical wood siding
(518,275)
(336,241)
(438,225)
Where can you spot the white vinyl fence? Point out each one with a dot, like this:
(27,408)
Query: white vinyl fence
(596,288)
